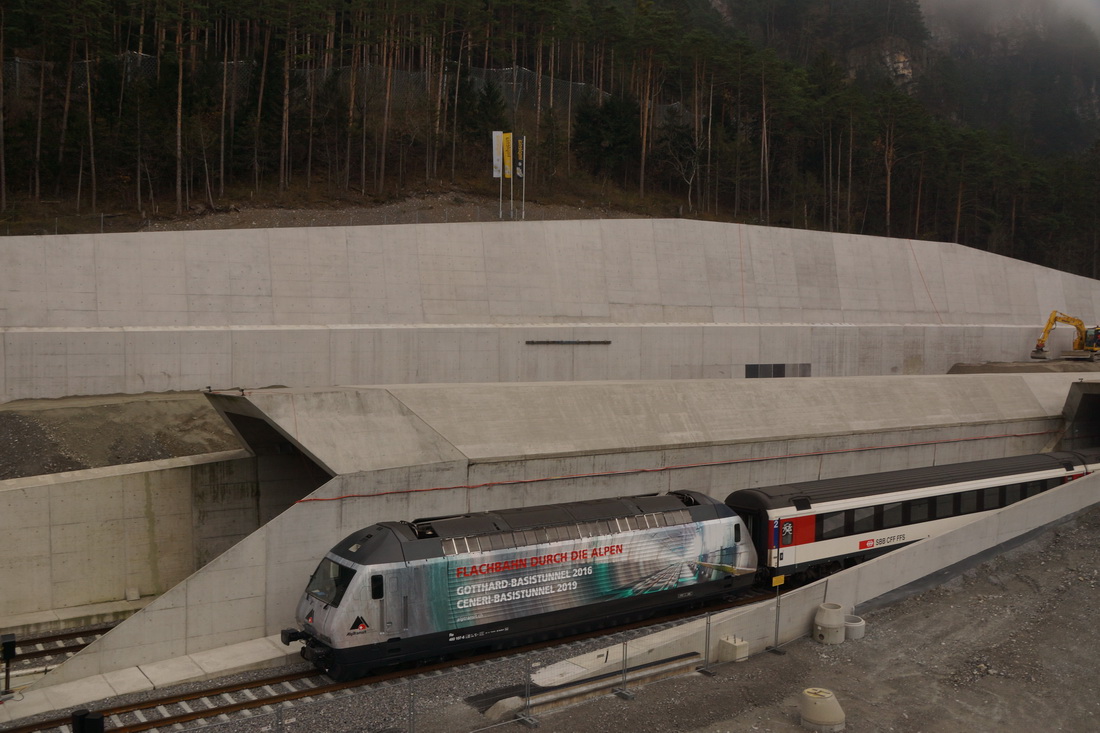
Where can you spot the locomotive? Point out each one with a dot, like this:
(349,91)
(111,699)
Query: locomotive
(403,591)
(397,592)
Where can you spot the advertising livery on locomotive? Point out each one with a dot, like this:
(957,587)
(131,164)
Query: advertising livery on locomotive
(402,591)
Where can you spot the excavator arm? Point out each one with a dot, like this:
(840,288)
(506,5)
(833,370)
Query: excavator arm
(1081,339)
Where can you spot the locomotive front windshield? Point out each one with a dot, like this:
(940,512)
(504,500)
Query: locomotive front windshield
(329,582)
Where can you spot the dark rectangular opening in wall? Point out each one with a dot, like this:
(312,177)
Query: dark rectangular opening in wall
(1084,429)
(775,371)
(265,441)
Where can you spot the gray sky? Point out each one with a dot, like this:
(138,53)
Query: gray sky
(1088,11)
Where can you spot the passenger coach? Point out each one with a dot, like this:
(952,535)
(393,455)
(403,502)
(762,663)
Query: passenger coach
(818,527)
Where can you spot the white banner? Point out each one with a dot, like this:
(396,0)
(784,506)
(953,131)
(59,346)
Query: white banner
(498,139)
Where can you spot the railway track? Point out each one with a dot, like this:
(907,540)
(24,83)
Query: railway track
(38,654)
(264,696)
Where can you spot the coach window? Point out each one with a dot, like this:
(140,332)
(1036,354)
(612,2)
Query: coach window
(991,498)
(863,519)
(968,502)
(377,589)
(786,532)
(1013,493)
(891,515)
(1031,488)
(945,506)
(918,510)
(832,526)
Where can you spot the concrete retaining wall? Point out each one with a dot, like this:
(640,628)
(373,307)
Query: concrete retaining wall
(86,538)
(60,362)
(97,314)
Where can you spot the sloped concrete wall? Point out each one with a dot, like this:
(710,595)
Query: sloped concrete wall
(93,314)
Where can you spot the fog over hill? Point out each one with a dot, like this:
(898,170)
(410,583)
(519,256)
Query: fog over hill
(996,14)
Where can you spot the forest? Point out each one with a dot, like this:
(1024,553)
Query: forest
(837,115)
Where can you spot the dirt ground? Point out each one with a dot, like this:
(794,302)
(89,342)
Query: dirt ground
(425,208)
(50,436)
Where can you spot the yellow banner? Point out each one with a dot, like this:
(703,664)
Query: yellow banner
(506,142)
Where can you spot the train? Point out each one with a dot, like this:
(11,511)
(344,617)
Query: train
(402,592)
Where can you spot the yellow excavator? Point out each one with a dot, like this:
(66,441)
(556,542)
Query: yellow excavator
(1085,340)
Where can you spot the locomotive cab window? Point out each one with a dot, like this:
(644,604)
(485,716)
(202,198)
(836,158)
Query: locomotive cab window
(329,582)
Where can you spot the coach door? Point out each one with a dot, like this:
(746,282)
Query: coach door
(784,548)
